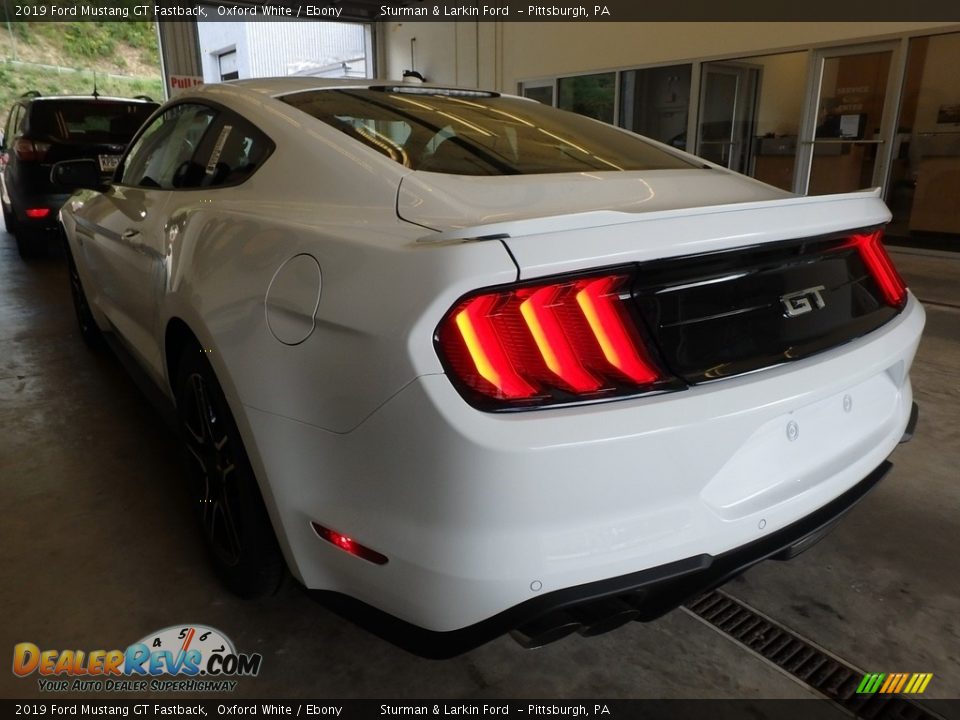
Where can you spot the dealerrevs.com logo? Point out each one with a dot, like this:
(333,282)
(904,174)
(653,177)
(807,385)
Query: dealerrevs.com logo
(197,657)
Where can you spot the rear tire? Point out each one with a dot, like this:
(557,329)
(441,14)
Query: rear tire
(27,243)
(9,220)
(89,330)
(234,520)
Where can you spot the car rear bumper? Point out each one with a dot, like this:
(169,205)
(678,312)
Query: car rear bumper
(21,202)
(596,607)
(482,513)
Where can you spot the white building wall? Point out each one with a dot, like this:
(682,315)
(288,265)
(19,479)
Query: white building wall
(217,38)
(287,48)
(266,49)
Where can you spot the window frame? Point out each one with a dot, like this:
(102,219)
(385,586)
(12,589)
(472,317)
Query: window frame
(221,111)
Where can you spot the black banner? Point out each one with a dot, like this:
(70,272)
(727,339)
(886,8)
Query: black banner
(492,11)
(450,709)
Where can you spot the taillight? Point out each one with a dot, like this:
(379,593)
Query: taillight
(878,262)
(37,213)
(30,150)
(566,340)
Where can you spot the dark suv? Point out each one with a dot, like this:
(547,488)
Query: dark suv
(43,130)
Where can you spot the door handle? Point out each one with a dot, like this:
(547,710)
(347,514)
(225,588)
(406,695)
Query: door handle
(132,238)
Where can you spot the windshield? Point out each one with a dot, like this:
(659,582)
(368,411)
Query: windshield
(475,133)
(100,121)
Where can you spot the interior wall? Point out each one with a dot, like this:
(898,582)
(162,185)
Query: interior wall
(939,83)
(499,55)
(783,84)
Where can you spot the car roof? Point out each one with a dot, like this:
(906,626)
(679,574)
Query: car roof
(87,98)
(276,86)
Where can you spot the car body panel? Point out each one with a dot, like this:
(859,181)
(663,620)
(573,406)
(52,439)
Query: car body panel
(479,519)
(124,249)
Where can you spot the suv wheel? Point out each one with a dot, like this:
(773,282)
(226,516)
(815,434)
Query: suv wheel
(28,239)
(9,220)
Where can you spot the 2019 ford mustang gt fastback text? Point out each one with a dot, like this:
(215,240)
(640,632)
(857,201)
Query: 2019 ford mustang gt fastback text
(480,365)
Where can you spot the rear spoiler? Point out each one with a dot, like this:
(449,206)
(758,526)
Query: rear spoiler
(860,209)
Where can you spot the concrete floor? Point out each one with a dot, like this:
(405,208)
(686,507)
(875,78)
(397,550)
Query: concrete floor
(97,547)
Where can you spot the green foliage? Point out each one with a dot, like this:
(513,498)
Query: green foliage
(87,46)
(83,41)
(16,80)
(88,42)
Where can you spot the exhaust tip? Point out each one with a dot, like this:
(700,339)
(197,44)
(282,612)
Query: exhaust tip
(603,616)
(545,630)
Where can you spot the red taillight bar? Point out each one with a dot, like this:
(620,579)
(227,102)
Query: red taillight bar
(540,311)
(475,322)
(603,310)
(538,344)
(36,213)
(878,262)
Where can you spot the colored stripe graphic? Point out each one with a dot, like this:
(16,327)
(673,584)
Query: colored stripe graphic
(894,683)
(891,680)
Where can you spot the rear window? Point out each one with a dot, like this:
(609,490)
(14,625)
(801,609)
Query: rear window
(101,121)
(466,133)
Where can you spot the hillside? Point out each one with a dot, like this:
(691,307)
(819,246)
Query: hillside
(60,58)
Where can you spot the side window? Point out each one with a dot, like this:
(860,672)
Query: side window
(232,151)
(13,124)
(8,128)
(163,156)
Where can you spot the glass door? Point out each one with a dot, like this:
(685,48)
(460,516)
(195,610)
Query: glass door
(924,194)
(728,104)
(848,129)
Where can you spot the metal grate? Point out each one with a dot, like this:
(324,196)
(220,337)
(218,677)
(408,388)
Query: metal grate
(830,676)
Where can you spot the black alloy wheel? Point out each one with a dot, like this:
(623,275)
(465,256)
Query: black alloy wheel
(234,521)
(88,326)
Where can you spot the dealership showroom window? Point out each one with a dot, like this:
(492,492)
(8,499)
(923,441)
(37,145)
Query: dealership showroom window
(470,354)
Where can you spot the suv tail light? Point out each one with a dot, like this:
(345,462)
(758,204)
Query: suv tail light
(30,150)
(565,340)
(878,262)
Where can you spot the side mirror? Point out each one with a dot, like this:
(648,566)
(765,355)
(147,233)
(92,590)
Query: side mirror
(76,174)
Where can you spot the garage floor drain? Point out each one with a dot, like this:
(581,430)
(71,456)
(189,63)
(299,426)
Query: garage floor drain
(832,677)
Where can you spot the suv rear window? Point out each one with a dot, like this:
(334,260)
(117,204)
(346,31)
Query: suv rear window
(101,121)
(475,133)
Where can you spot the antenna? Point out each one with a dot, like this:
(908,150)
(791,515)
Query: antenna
(95,93)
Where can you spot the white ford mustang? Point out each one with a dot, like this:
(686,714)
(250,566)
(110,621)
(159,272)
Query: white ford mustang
(474,365)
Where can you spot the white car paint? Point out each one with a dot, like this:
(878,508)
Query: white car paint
(356,426)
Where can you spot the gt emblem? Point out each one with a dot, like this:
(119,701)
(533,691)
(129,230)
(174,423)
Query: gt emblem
(802,301)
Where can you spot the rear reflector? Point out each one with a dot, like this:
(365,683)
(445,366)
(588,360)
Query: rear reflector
(547,343)
(37,213)
(349,545)
(878,262)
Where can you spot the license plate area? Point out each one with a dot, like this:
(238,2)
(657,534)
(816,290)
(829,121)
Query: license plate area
(796,450)
(108,163)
